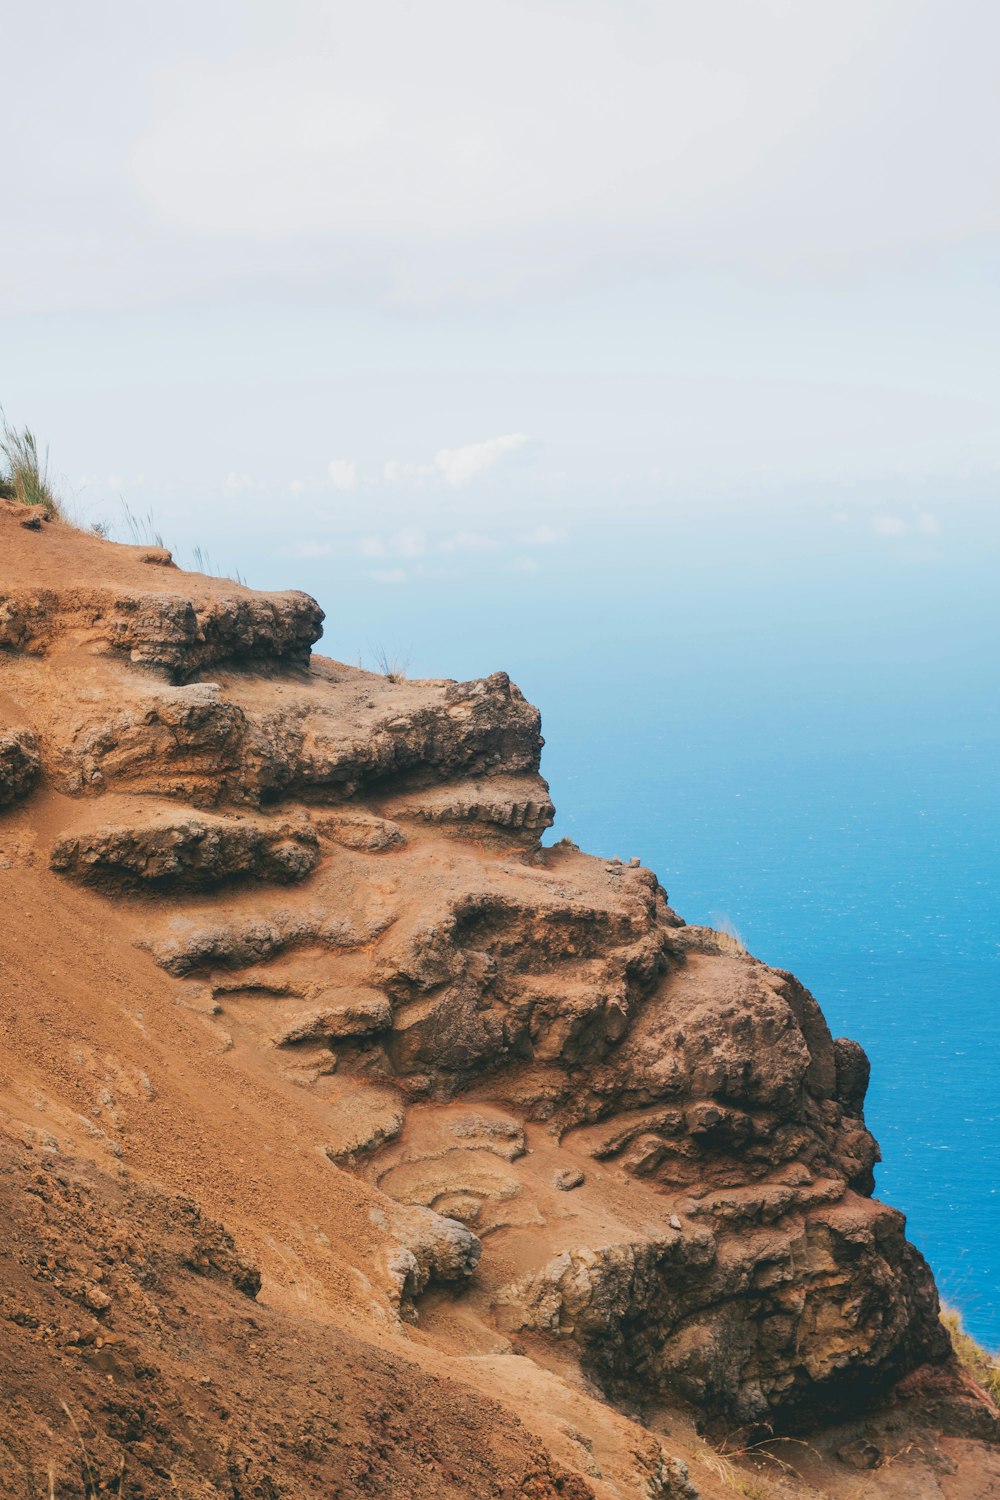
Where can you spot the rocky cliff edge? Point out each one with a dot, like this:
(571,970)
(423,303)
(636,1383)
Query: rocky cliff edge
(485,1122)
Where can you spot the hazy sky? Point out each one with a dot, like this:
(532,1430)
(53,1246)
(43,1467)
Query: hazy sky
(385,282)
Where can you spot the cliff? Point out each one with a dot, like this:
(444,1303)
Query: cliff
(354,1143)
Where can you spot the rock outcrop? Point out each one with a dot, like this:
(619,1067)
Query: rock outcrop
(193,850)
(578,1128)
(19,764)
(177,633)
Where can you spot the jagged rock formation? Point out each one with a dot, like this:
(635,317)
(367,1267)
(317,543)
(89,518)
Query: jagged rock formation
(549,1123)
(19,764)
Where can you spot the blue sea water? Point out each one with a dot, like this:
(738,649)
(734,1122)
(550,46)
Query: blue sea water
(796,724)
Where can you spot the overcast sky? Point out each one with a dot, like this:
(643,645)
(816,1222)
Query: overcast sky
(419,277)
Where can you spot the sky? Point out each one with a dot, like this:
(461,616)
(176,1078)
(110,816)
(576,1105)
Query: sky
(386,287)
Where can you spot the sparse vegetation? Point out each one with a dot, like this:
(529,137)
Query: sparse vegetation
(391,667)
(974,1359)
(728,942)
(204,564)
(24,475)
(722,1467)
(717,1464)
(755,1470)
(141,528)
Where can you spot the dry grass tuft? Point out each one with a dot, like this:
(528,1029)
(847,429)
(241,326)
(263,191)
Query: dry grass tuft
(393,668)
(140,528)
(203,564)
(26,476)
(974,1359)
(718,1465)
(729,942)
(755,1470)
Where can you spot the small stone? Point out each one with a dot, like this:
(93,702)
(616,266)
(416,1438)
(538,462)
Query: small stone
(674,1222)
(568,1178)
(670,1480)
(95,1299)
(860,1454)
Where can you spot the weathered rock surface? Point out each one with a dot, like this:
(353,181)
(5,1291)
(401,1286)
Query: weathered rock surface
(361,1016)
(170,632)
(434,1249)
(188,851)
(336,733)
(20,764)
(509,805)
(791,1318)
(562,1129)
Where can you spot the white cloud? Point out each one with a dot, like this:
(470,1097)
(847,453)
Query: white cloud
(524,565)
(543,536)
(456,466)
(889,525)
(389,575)
(460,465)
(343,474)
(394,471)
(313,549)
(409,542)
(926,523)
(235,483)
(680,122)
(699,220)
(469,541)
(359,142)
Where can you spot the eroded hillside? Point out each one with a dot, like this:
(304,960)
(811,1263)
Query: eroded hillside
(355,1143)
